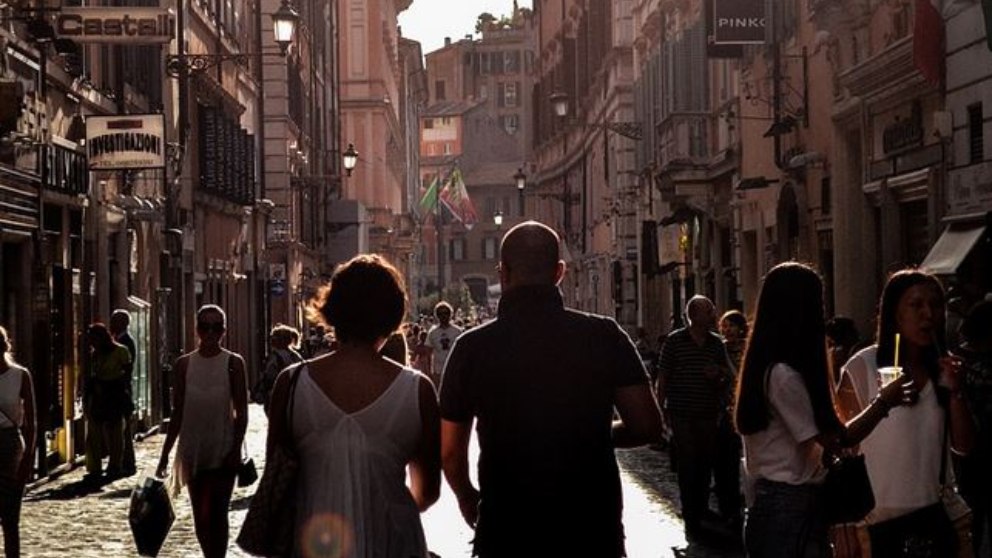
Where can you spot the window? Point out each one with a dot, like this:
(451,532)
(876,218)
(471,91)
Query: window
(428,123)
(483,91)
(439,90)
(825,196)
(484,63)
(976,134)
(456,249)
(447,148)
(511,62)
(510,95)
(510,123)
(489,245)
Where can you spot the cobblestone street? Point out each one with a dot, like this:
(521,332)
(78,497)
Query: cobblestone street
(65,518)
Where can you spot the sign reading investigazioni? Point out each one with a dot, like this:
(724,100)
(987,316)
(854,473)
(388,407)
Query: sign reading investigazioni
(738,22)
(131,141)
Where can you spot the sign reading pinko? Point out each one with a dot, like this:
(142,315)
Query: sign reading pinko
(130,141)
(738,22)
(121,25)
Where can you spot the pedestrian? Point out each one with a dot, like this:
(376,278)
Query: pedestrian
(359,424)
(905,454)
(543,381)
(973,477)
(843,341)
(210,403)
(284,341)
(727,462)
(422,354)
(785,412)
(395,348)
(440,338)
(106,403)
(694,378)
(120,321)
(17,442)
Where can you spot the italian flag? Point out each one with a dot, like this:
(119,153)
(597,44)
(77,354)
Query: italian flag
(928,39)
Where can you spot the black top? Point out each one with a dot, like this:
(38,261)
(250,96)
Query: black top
(541,380)
(128,341)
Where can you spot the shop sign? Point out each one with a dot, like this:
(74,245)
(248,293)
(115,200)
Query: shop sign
(118,25)
(738,22)
(132,141)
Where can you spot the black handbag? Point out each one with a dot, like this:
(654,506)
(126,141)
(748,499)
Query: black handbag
(247,473)
(847,493)
(268,526)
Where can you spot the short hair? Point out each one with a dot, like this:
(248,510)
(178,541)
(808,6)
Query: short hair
(212,308)
(694,303)
(531,251)
(121,313)
(290,333)
(364,301)
(736,318)
(443,306)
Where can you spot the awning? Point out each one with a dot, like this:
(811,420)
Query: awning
(952,248)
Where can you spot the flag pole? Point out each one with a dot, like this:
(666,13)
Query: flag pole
(439,228)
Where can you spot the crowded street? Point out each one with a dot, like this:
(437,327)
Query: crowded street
(66,517)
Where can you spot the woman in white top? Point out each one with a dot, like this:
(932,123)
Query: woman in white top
(17,439)
(361,423)
(785,412)
(209,418)
(904,454)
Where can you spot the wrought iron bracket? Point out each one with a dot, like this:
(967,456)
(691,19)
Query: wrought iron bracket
(178,64)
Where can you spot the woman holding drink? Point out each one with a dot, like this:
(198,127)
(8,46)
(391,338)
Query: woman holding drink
(904,453)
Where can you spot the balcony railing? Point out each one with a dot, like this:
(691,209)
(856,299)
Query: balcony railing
(684,138)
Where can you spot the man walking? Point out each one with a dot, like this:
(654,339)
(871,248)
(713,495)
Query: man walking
(440,339)
(543,381)
(693,375)
(120,320)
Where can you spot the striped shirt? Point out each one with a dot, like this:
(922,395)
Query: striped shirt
(687,391)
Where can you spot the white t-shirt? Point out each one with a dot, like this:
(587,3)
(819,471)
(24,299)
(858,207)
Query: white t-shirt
(440,339)
(903,452)
(786,451)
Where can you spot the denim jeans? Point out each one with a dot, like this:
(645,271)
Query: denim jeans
(785,522)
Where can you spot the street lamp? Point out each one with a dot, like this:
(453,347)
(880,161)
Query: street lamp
(498,219)
(284,22)
(350,159)
(521,179)
(559,101)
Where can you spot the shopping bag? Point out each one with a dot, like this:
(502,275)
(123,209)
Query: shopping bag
(151,515)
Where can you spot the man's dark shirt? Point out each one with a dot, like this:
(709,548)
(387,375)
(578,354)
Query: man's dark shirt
(128,341)
(688,392)
(541,379)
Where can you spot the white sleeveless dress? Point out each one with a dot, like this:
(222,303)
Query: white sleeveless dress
(208,417)
(352,489)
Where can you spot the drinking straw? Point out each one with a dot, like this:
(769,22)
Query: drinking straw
(895,360)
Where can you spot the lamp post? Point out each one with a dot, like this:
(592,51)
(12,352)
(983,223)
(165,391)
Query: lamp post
(498,219)
(350,159)
(521,181)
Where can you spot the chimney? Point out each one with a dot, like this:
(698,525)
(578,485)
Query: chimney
(447,41)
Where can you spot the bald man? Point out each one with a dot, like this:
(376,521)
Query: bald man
(694,374)
(542,382)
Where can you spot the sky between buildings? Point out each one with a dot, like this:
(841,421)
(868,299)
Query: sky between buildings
(430,21)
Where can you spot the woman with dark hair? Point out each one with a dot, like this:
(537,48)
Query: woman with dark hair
(975,484)
(843,340)
(785,412)
(905,455)
(209,419)
(359,422)
(733,328)
(17,439)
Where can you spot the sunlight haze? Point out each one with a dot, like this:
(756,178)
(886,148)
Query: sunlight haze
(430,21)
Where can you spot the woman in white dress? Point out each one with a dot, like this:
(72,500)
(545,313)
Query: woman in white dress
(360,424)
(209,419)
(17,439)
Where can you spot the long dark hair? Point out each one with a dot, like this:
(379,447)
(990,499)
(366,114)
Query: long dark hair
(788,328)
(885,337)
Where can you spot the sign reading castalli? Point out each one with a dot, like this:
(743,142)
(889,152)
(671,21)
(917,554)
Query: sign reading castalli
(122,25)
(738,22)
(131,141)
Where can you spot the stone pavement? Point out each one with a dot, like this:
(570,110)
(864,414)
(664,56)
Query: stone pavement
(61,518)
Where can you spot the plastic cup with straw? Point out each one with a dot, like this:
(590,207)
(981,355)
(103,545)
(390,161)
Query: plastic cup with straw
(890,373)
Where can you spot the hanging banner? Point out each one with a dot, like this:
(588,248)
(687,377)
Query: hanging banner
(124,25)
(738,22)
(129,141)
